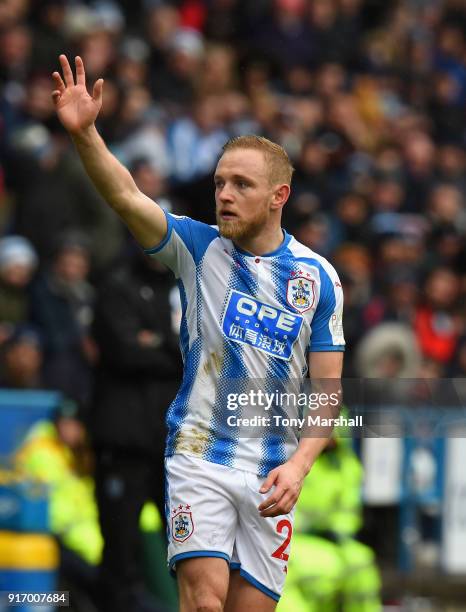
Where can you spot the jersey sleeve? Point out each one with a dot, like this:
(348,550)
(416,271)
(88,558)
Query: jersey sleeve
(184,244)
(327,323)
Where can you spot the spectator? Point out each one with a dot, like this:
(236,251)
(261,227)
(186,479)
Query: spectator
(435,324)
(137,375)
(351,219)
(218,70)
(398,300)
(447,207)
(332,32)
(174,83)
(18,261)
(57,197)
(386,352)
(153,184)
(52,453)
(195,142)
(138,132)
(49,455)
(62,308)
(49,39)
(161,22)
(15,54)
(132,65)
(22,358)
(330,569)
(284,36)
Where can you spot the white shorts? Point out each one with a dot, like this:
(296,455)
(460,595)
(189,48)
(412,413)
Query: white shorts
(212,512)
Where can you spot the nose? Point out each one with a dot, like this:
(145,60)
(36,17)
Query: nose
(224,194)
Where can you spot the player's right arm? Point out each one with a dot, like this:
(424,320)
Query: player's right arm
(77,111)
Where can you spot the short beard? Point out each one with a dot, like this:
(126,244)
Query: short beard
(239,230)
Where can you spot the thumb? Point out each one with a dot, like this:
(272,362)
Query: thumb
(97,90)
(268,482)
(56,95)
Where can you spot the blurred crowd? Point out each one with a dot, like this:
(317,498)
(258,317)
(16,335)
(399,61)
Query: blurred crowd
(369,99)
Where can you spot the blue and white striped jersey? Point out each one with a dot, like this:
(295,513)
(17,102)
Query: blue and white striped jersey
(244,317)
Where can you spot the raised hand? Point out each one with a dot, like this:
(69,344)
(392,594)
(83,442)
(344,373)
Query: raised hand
(76,109)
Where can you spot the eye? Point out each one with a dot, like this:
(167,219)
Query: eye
(242,184)
(219,184)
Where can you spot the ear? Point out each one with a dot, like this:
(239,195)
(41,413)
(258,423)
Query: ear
(280,196)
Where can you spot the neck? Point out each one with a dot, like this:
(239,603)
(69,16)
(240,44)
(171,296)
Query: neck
(265,242)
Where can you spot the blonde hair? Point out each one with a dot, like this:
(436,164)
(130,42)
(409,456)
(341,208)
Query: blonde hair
(278,162)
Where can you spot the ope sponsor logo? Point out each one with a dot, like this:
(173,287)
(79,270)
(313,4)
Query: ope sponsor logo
(267,328)
(248,306)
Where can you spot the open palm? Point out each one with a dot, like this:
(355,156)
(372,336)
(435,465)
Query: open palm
(75,108)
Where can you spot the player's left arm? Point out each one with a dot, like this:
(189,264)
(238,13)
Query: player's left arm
(326,368)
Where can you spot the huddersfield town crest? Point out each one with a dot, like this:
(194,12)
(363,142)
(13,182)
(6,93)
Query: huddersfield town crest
(301,293)
(182,523)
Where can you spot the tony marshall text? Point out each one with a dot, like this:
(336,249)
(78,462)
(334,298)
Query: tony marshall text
(280,421)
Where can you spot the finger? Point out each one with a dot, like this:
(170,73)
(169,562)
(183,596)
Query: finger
(280,498)
(284,506)
(97,90)
(271,512)
(80,73)
(67,73)
(270,501)
(273,499)
(58,81)
(277,510)
(274,510)
(268,482)
(56,95)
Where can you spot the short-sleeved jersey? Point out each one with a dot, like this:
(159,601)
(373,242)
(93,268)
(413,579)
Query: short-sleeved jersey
(244,317)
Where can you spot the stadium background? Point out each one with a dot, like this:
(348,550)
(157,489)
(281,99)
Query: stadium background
(367,97)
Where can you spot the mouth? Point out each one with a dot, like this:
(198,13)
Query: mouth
(228,216)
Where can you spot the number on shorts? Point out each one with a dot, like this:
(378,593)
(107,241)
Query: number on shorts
(280,552)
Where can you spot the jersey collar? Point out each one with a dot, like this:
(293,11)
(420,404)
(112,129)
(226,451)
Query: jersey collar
(286,239)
